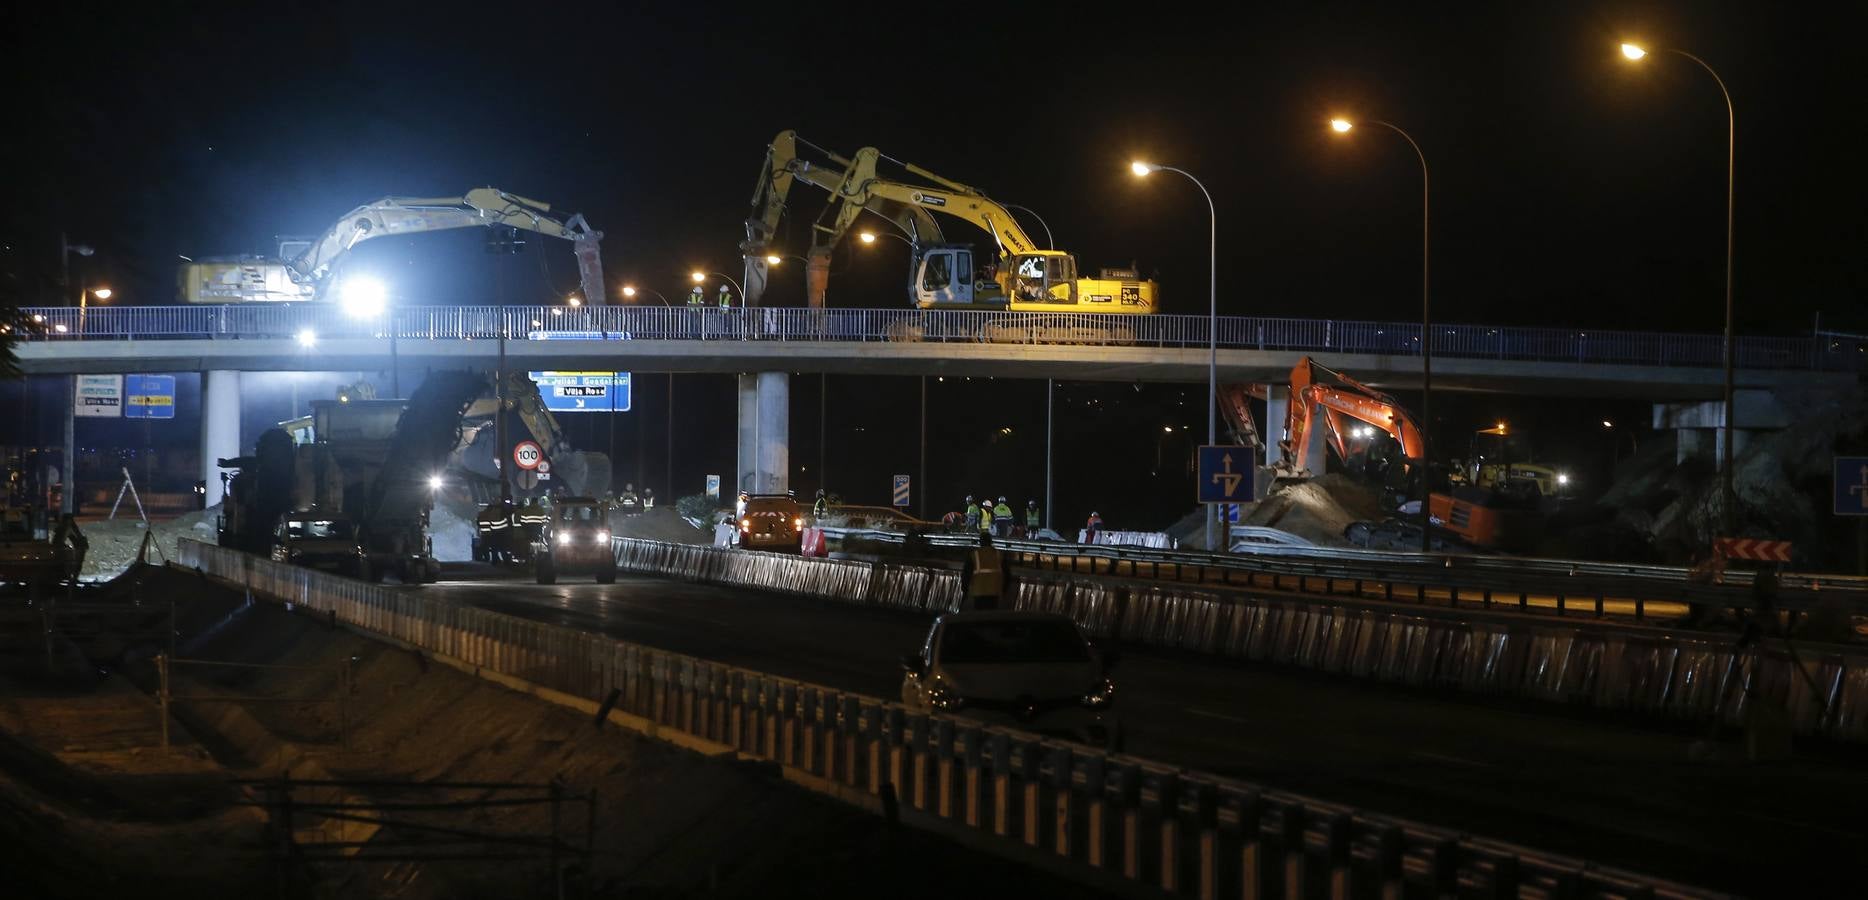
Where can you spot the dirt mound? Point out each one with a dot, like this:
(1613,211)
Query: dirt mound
(1319,509)
(114,543)
(658,524)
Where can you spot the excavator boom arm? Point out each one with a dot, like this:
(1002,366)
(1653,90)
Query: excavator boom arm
(479,207)
(1316,388)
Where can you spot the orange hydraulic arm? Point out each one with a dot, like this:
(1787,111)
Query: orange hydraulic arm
(1316,387)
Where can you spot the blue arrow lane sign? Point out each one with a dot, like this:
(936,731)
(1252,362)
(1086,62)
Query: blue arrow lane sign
(1851,486)
(1225,474)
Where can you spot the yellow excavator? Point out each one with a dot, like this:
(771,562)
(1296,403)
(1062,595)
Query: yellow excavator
(303,268)
(1023,277)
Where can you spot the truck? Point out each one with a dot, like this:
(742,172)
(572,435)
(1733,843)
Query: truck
(575,540)
(374,464)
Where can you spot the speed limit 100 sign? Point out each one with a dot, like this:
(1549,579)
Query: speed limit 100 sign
(528,455)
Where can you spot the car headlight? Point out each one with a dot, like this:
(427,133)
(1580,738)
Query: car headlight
(1102,696)
(944,698)
(1563,478)
(564,538)
(603,536)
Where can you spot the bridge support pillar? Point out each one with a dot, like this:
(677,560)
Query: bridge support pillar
(220,426)
(764,432)
(1698,424)
(774,432)
(748,432)
(1277,402)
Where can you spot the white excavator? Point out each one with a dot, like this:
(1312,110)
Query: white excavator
(305,268)
(1021,275)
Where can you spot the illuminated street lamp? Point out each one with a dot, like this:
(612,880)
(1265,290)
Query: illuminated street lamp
(1343,126)
(1142,170)
(1729,498)
(574,301)
(363,297)
(629,290)
(101,293)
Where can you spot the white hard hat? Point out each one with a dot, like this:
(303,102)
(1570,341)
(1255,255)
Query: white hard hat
(1001,499)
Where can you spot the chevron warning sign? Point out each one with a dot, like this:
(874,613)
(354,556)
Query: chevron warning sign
(1752,548)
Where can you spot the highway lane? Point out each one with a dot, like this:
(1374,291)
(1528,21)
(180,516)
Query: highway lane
(1647,798)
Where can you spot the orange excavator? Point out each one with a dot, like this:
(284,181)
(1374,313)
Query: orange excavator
(1329,408)
(1320,392)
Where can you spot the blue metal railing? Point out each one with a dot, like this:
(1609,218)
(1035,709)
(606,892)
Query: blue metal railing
(327,322)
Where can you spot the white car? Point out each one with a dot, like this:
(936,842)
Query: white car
(1033,671)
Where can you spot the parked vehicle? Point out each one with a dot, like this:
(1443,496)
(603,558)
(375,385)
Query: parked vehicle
(772,522)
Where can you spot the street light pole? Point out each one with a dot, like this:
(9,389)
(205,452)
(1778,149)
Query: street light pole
(1342,126)
(1728,493)
(67,494)
(1212,319)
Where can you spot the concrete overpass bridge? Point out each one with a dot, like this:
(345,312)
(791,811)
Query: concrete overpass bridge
(763,345)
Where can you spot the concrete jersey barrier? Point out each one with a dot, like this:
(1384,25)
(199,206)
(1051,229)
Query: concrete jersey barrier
(1115,821)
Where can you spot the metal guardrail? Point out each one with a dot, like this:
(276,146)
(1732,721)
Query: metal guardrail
(1108,817)
(892,585)
(1481,582)
(797,324)
(1680,675)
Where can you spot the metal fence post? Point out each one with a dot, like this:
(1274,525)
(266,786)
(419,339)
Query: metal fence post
(162,695)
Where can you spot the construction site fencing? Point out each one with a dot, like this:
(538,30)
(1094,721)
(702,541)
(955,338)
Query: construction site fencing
(661,323)
(1817,690)
(1116,821)
(891,585)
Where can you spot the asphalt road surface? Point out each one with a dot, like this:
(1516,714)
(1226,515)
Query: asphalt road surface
(1667,801)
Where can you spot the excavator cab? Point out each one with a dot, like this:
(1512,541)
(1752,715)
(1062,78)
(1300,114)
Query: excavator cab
(944,278)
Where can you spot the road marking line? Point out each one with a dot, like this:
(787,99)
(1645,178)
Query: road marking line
(1215,715)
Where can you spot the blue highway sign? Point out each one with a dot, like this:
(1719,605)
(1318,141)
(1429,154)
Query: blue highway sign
(901,490)
(149,396)
(1225,474)
(583,391)
(1851,486)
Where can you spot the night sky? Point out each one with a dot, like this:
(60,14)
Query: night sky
(1570,188)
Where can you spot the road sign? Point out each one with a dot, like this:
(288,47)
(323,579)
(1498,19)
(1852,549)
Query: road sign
(1752,548)
(149,396)
(99,396)
(713,487)
(1851,486)
(1225,474)
(901,490)
(528,455)
(1229,513)
(583,391)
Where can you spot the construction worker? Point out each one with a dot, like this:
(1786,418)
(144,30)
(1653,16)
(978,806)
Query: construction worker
(984,575)
(1002,519)
(1033,521)
(648,498)
(820,506)
(972,513)
(1094,525)
(726,297)
(985,518)
(696,298)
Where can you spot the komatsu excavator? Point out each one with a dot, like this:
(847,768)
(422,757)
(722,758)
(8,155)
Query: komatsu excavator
(1023,277)
(304,269)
